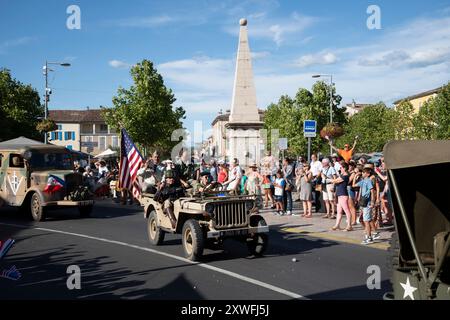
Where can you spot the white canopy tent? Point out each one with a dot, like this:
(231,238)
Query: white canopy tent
(108,153)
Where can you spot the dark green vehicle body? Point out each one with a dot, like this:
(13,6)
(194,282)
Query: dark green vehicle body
(419,178)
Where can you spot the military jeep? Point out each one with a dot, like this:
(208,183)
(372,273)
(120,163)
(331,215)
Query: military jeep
(419,259)
(38,177)
(205,220)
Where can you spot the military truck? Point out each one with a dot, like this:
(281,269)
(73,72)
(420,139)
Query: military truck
(206,219)
(38,177)
(419,179)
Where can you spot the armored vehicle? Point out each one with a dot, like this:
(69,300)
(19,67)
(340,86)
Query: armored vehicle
(419,178)
(37,177)
(205,220)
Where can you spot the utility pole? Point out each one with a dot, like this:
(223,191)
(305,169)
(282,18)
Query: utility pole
(48,91)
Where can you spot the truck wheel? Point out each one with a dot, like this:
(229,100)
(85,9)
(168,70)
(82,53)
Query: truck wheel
(257,245)
(85,211)
(193,240)
(36,208)
(155,234)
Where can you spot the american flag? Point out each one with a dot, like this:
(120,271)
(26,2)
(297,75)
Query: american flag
(130,162)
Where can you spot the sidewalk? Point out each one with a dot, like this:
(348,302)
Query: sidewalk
(321,228)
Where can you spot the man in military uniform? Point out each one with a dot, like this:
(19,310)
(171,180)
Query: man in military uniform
(170,190)
(206,184)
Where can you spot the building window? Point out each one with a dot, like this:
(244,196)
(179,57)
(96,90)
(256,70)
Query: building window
(102,143)
(87,128)
(103,128)
(88,139)
(114,141)
(59,126)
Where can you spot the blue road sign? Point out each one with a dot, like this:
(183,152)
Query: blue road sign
(309,128)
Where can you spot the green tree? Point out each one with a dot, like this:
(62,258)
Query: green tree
(20,108)
(146,109)
(441,113)
(374,125)
(289,113)
(403,122)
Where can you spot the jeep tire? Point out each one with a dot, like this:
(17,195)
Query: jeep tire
(193,240)
(36,209)
(155,234)
(257,245)
(85,211)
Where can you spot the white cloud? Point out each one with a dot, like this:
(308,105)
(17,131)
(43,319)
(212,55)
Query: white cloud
(145,22)
(119,64)
(321,58)
(277,30)
(4,46)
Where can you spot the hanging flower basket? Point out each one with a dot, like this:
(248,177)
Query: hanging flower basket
(331,130)
(46,125)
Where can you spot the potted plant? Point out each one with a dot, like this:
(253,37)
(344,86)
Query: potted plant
(331,131)
(46,125)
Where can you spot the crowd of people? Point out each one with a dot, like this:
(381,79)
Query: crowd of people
(357,189)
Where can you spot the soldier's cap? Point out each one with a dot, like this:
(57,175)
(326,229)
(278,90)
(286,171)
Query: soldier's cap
(204,173)
(169,174)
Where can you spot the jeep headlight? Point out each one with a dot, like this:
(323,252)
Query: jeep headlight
(249,205)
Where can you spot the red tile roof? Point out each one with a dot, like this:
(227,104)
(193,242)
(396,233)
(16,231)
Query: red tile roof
(76,116)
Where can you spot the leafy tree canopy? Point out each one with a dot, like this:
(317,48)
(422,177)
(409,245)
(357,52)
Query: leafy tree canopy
(20,108)
(146,109)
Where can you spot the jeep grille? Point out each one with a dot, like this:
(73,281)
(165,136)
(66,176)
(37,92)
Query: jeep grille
(230,215)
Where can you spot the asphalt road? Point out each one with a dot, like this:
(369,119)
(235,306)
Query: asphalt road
(116,261)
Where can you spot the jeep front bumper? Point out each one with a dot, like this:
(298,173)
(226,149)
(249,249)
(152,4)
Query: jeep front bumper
(237,232)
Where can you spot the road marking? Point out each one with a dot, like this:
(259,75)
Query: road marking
(329,236)
(203,265)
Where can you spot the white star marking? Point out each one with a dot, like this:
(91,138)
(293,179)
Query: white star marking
(409,290)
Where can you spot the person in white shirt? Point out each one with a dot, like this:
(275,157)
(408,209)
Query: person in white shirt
(315,168)
(234,177)
(328,174)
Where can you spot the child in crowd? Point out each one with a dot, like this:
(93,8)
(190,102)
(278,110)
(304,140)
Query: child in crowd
(279,185)
(367,200)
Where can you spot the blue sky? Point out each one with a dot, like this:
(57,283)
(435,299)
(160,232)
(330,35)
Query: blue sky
(193,45)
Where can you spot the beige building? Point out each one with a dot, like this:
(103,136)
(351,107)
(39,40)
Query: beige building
(419,99)
(82,130)
(353,108)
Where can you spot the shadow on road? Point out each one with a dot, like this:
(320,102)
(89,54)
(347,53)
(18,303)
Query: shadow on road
(352,293)
(44,277)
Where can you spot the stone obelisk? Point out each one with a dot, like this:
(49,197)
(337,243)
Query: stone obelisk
(244,124)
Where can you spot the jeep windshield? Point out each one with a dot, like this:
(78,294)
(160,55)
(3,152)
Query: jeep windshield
(44,161)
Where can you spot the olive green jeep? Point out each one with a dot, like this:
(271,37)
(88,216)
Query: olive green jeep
(206,219)
(419,260)
(38,177)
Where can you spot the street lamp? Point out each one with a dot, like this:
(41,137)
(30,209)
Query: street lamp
(47,89)
(331,97)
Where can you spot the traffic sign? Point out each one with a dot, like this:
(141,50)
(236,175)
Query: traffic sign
(283,143)
(309,128)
